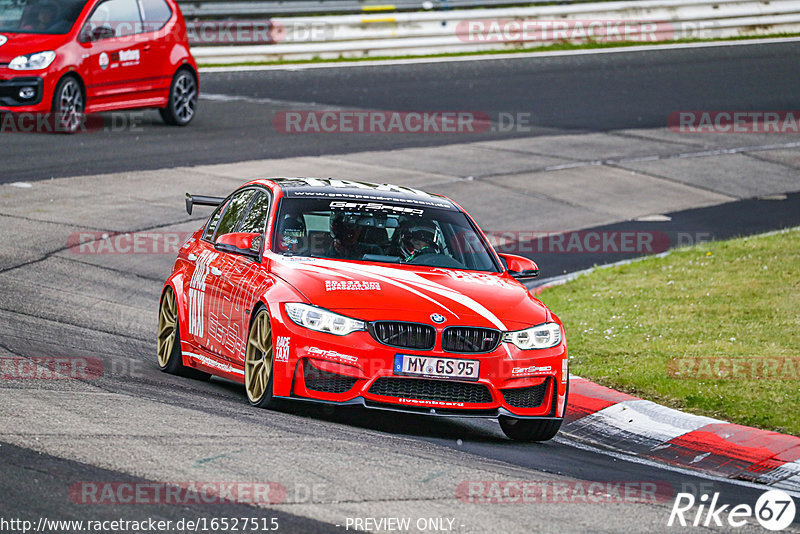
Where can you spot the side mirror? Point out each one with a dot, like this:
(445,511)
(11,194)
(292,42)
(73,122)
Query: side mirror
(102,32)
(519,267)
(244,243)
(92,33)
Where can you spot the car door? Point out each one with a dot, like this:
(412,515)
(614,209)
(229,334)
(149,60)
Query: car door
(115,53)
(245,276)
(156,14)
(221,337)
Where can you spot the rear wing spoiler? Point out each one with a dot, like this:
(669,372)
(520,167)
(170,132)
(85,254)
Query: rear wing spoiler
(199,200)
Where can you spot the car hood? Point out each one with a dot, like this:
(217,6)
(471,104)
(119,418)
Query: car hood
(404,292)
(17,44)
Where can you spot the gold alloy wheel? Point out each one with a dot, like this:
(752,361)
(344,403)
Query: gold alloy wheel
(258,358)
(167,327)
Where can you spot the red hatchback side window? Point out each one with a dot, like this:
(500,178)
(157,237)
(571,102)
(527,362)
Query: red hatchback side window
(121,16)
(156,14)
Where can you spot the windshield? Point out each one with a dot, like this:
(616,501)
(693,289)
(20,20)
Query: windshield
(384,232)
(39,16)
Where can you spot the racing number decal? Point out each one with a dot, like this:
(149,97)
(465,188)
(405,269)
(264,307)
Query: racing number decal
(197,292)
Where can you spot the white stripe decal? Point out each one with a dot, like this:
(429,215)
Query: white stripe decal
(390,276)
(335,266)
(228,368)
(433,287)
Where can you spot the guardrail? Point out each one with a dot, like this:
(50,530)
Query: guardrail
(487,29)
(267,8)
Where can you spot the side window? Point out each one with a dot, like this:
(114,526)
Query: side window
(121,16)
(156,14)
(256,218)
(213,221)
(235,210)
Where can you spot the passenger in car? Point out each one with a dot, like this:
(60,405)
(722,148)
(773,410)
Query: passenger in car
(346,235)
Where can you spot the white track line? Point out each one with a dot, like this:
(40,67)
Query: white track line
(493,57)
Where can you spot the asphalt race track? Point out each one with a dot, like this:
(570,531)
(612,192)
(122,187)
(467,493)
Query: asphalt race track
(568,94)
(595,156)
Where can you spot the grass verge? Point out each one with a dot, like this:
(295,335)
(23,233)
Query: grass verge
(665,328)
(549,48)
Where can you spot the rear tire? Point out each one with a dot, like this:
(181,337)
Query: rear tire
(529,429)
(182,102)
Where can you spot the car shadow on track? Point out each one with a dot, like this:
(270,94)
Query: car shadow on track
(417,425)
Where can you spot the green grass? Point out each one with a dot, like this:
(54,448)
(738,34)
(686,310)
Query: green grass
(548,48)
(730,299)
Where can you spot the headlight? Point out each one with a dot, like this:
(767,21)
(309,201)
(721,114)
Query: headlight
(542,336)
(40,60)
(322,320)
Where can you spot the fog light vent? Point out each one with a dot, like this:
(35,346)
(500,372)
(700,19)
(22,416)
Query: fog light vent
(26,93)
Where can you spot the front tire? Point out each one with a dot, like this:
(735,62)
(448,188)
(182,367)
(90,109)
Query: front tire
(529,429)
(182,102)
(258,361)
(68,105)
(170,359)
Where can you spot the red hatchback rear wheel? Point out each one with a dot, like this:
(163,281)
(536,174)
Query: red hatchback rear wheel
(182,102)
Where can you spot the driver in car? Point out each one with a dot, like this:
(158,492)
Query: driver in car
(417,238)
(44,15)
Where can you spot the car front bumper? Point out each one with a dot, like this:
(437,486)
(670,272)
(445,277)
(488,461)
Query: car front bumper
(12,85)
(358,370)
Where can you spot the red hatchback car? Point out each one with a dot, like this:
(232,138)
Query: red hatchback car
(72,57)
(349,293)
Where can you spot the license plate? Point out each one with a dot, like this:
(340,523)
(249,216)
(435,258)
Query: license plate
(405,364)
